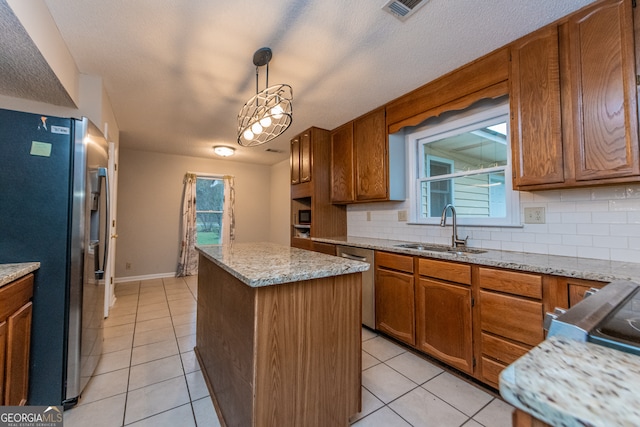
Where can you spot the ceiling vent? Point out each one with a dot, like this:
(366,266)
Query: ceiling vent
(403,9)
(274,150)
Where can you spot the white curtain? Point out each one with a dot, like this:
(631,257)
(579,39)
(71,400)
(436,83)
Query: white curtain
(188,264)
(228,214)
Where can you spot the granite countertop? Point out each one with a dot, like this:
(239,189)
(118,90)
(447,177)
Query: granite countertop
(579,268)
(569,383)
(11,272)
(265,264)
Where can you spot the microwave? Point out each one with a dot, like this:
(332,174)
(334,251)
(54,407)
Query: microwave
(304,216)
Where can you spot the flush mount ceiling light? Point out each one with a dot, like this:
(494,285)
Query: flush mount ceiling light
(269,113)
(224,151)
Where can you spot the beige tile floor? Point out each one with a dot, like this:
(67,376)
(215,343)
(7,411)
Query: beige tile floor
(149,376)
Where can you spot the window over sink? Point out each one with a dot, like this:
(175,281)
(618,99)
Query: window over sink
(464,159)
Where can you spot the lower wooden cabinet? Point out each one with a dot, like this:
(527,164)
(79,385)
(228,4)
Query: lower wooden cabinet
(511,316)
(444,326)
(15,340)
(395,296)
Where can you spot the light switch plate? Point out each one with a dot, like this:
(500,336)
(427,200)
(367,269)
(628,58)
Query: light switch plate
(402,215)
(534,215)
(368,216)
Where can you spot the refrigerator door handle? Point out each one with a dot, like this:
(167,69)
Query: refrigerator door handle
(102,173)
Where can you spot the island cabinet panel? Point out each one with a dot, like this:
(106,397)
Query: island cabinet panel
(224,341)
(536,122)
(395,296)
(280,355)
(302,341)
(444,326)
(602,107)
(522,419)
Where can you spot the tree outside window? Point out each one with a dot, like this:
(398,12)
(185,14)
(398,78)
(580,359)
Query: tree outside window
(209,208)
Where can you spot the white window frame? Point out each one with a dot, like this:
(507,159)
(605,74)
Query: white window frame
(212,178)
(442,160)
(461,123)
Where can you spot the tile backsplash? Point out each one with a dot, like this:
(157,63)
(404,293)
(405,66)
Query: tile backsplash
(599,222)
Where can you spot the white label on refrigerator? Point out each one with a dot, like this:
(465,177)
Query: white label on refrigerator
(42,149)
(60,129)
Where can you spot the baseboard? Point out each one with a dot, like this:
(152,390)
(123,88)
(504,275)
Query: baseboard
(144,277)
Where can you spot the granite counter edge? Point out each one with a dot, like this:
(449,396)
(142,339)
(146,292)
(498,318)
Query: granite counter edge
(11,272)
(478,259)
(329,271)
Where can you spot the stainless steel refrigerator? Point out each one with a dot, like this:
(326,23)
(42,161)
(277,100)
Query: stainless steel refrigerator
(54,209)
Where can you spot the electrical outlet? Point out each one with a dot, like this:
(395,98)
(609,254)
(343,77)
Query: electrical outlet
(127,266)
(534,216)
(368,216)
(402,215)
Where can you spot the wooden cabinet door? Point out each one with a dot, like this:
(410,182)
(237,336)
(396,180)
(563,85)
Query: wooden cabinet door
(371,153)
(18,345)
(342,164)
(305,157)
(536,123)
(3,358)
(444,327)
(512,317)
(602,109)
(295,160)
(395,309)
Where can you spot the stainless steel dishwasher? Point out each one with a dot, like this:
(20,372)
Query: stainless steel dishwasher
(368,285)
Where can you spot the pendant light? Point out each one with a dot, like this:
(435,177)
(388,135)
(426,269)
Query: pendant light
(269,113)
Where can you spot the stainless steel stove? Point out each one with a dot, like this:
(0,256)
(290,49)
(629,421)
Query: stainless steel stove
(609,317)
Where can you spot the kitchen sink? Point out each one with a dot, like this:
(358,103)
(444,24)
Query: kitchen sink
(440,248)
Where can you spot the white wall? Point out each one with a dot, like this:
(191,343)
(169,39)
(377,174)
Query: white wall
(149,204)
(599,222)
(281,203)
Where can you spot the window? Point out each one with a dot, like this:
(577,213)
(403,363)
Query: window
(209,210)
(464,160)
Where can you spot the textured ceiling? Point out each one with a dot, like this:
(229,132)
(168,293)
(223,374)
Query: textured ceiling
(24,73)
(178,71)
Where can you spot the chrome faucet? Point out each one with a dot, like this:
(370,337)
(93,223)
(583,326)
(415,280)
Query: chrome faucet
(455,241)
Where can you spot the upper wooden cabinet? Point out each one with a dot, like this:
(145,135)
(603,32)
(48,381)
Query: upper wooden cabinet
(536,132)
(602,103)
(365,164)
(342,164)
(371,156)
(301,158)
(310,189)
(574,101)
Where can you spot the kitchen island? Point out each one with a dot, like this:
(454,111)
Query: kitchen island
(278,334)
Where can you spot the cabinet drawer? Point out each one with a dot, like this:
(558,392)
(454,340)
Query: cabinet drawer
(502,350)
(522,284)
(514,318)
(15,295)
(491,371)
(451,271)
(394,262)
